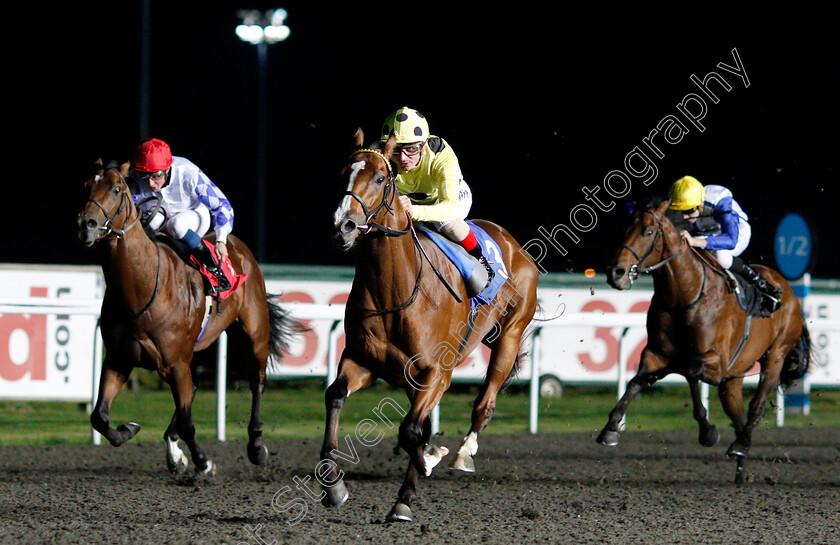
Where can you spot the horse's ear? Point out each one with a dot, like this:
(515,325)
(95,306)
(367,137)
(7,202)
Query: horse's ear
(359,138)
(99,162)
(124,168)
(390,145)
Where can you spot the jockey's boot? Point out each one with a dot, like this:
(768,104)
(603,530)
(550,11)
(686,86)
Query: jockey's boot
(476,253)
(771,295)
(206,258)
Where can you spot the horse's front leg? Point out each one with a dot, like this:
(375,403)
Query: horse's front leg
(414,434)
(176,460)
(652,368)
(709,436)
(183,391)
(351,378)
(110,382)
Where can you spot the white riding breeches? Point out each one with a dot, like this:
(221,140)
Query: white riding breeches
(724,257)
(197,220)
(456,229)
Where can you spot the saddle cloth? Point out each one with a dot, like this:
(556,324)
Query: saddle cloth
(233,277)
(467,265)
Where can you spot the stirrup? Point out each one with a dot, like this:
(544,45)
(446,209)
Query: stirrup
(490,272)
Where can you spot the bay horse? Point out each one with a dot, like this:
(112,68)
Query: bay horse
(152,315)
(405,327)
(697,328)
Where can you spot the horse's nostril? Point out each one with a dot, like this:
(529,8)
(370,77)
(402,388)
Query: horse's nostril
(348,226)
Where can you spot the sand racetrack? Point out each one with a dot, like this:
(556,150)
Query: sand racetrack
(652,488)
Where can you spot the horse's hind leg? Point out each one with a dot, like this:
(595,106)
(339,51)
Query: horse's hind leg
(111,381)
(351,378)
(709,436)
(499,367)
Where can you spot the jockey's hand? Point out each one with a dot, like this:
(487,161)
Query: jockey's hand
(221,251)
(406,203)
(697,242)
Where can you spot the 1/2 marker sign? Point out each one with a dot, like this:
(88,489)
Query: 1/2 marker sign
(793,246)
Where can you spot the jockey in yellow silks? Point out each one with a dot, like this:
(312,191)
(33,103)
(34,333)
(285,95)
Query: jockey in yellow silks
(429,180)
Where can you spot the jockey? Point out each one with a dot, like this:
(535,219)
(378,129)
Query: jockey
(189,198)
(429,180)
(712,208)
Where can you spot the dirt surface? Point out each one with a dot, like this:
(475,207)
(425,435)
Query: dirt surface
(652,488)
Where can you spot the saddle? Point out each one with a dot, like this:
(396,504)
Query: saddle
(210,279)
(748,295)
(473,272)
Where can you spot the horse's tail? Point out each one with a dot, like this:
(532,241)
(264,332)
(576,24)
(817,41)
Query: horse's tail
(282,328)
(798,359)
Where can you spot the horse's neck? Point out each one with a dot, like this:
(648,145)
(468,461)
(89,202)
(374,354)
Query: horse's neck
(130,266)
(681,281)
(390,263)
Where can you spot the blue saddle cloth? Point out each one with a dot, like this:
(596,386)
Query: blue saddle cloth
(466,264)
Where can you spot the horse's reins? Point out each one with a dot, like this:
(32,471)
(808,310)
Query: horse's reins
(372,226)
(111,230)
(637,270)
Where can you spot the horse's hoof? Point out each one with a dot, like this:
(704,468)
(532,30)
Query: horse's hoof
(432,456)
(258,455)
(336,495)
(208,471)
(129,430)
(709,437)
(400,513)
(607,438)
(179,466)
(736,450)
(463,462)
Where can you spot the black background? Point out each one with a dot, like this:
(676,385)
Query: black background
(536,102)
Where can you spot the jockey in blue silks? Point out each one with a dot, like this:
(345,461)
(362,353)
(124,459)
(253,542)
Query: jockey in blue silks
(712,208)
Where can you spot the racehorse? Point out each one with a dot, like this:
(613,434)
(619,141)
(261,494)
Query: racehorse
(404,326)
(152,316)
(697,328)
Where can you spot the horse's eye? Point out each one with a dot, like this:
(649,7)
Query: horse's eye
(648,232)
(117,190)
(380,180)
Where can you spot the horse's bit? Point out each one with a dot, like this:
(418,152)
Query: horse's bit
(108,227)
(636,270)
(387,199)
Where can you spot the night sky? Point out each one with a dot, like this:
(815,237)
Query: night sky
(537,104)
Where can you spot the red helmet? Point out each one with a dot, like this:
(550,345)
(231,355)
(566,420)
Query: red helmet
(152,155)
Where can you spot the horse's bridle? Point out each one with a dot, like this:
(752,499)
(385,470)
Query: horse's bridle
(108,227)
(388,195)
(637,269)
(110,230)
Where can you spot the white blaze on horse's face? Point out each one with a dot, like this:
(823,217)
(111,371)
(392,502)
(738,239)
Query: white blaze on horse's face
(344,206)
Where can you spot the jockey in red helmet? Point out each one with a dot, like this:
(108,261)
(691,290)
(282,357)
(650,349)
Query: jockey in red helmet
(191,200)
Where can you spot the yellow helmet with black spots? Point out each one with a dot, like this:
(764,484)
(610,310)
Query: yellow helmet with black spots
(686,193)
(408,125)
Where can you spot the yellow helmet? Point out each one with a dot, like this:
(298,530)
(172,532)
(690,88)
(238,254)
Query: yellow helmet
(408,125)
(686,193)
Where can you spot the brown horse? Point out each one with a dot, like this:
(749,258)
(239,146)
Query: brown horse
(404,326)
(152,316)
(696,328)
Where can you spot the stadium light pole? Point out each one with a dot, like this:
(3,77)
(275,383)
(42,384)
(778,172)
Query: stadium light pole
(262,28)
